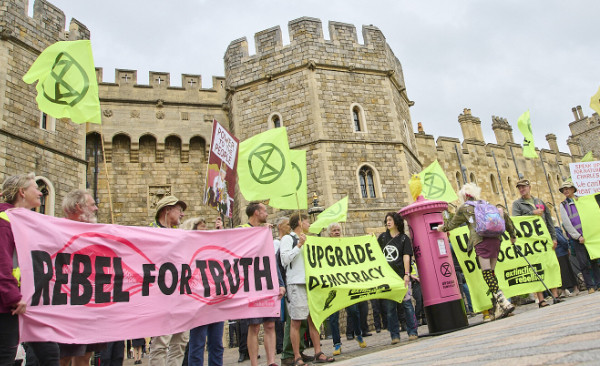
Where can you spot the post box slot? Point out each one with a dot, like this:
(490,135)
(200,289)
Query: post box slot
(433,226)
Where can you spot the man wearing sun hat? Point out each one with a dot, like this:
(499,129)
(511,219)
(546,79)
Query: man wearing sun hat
(528,205)
(169,212)
(572,224)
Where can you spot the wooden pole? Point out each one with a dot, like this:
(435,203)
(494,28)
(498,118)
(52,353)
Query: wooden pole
(110,205)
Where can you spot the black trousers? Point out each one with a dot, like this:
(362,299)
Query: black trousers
(9,338)
(113,354)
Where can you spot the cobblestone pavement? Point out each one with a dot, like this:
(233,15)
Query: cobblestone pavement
(566,333)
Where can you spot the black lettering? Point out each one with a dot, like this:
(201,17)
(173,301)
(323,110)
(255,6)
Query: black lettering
(341,278)
(162,278)
(538,227)
(102,278)
(201,265)
(184,282)
(369,251)
(41,278)
(329,256)
(217,274)
(462,242)
(333,280)
(470,265)
(339,254)
(233,286)
(62,278)
(323,281)
(312,282)
(148,278)
(245,263)
(527,229)
(356,276)
(266,273)
(312,261)
(118,294)
(79,279)
(350,256)
(320,255)
(500,256)
(528,249)
(365,276)
(360,253)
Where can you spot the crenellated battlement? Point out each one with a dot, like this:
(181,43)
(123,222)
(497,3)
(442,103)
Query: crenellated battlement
(309,48)
(45,27)
(126,87)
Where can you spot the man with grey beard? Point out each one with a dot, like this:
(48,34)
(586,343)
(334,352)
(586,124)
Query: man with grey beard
(79,205)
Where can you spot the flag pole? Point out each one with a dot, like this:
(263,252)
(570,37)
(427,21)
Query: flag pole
(549,189)
(500,179)
(110,205)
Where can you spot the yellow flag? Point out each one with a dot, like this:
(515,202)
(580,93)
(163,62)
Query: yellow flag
(67,85)
(587,157)
(297,200)
(589,214)
(264,169)
(595,102)
(334,213)
(524,124)
(435,185)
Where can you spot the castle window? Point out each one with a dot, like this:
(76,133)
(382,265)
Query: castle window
(510,186)
(275,120)
(47,122)
(366,179)
(494,184)
(458,180)
(472,178)
(357,115)
(185,116)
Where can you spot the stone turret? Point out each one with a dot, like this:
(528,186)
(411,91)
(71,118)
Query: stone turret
(551,138)
(574,147)
(470,126)
(502,130)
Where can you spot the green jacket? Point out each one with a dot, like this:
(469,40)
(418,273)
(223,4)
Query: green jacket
(466,215)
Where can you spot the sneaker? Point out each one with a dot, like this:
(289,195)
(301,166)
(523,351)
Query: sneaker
(361,342)
(337,350)
(591,290)
(413,337)
(395,340)
(486,316)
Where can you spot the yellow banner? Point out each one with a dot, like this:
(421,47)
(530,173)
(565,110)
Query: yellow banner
(589,213)
(436,185)
(344,271)
(297,200)
(335,213)
(524,124)
(515,276)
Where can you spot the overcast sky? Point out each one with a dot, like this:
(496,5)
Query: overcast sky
(495,57)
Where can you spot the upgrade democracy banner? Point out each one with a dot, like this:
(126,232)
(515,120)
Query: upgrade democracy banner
(87,283)
(343,271)
(515,277)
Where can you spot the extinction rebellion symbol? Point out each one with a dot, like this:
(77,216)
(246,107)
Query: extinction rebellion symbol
(60,91)
(434,185)
(332,211)
(266,163)
(297,170)
(445,269)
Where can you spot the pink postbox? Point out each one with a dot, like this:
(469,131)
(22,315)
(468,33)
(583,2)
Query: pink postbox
(444,306)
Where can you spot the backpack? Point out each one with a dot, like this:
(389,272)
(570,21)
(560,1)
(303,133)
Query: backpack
(489,222)
(282,269)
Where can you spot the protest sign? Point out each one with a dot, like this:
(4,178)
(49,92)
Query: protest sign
(588,208)
(219,187)
(148,281)
(344,271)
(515,277)
(586,177)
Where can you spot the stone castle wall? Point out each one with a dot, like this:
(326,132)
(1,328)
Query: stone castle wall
(585,132)
(55,154)
(313,84)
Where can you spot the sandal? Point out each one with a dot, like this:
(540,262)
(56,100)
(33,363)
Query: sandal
(299,362)
(318,358)
(543,304)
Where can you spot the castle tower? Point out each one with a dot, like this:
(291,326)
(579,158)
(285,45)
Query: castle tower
(585,133)
(502,130)
(31,140)
(343,102)
(470,126)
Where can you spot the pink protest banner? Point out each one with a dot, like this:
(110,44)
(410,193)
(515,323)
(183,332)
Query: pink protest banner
(86,283)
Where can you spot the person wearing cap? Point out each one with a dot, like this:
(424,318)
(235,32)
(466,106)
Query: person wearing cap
(528,205)
(572,224)
(169,212)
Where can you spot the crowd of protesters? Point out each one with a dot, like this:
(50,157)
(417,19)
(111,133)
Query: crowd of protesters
(293,332)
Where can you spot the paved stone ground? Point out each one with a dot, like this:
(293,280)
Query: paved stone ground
(567,333)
